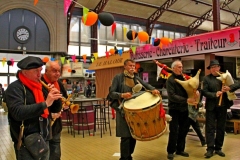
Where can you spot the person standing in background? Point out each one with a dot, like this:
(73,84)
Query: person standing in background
(216,114)
(51,76)
(178,109)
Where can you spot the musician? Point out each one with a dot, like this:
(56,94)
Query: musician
(51,76)
(215,115)
(121,88)
(178,109)
(27,87)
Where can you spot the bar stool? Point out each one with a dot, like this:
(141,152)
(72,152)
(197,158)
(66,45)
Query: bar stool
(66,120)
(80,121)
(102,118)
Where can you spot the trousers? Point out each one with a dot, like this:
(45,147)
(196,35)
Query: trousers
(127,146)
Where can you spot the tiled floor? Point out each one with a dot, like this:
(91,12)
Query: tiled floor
(96,148)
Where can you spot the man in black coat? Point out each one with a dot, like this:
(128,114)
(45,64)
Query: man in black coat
(178,110)
(25,102)
(51,76)
(121,88)
(216,114)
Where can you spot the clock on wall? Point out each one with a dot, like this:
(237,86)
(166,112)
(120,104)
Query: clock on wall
(22,34)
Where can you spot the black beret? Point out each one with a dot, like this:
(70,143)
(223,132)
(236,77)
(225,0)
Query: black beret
(30,62)
(212,63)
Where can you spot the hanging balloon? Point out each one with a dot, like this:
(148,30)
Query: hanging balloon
(143,36)
(92,17)
(156,42)
(130,35)
(69,70)
(73,71)
(112,51)
(106,19)
(9,63)
(45,59)
(137,66)
(165,41)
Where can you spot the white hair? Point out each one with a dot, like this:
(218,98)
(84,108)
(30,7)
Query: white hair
(175,62)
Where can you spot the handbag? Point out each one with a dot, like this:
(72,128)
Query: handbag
(34,142)
(36,145)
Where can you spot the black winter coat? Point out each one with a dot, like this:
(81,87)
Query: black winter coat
(177,95)
(210,87)
(29,113)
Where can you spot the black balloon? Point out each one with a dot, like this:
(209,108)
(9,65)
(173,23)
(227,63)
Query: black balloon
(106,19)
(129,35)
(9,63)
(73,71)
(156,42)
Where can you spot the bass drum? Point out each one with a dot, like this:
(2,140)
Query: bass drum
(143,117)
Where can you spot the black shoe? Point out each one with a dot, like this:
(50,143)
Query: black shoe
(220,153)
(208,154)
(184,154)
(203,143)
(170,156)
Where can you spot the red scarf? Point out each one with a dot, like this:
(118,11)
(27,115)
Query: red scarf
(56,85)
(36,88)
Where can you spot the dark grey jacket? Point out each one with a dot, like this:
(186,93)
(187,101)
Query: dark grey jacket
(122,129)
(177,96)
(210,87)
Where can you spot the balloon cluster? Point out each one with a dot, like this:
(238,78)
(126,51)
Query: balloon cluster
(106,19)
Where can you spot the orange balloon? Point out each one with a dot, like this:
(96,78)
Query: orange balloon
(45,59)
(165,41)
(112,51)
(143,36)
(69,70)
(91,18)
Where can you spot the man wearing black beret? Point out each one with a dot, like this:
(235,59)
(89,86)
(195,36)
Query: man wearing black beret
(26,103)
(216,113)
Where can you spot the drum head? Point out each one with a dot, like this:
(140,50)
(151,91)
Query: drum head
(143,101)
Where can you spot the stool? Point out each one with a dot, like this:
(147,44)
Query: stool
(101,119)
(236,125)
(66,120)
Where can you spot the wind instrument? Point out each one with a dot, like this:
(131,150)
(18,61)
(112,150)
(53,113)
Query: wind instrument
(65,102)
(226,79)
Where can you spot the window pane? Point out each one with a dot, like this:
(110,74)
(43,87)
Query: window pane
(73,50)
(4,69)
(154,33)
(183,35)
(166,34)
(119,32)
(177,35)
(85,33)
(102,33)
(85,50)
(74,29)
(3,81)
(101,50)
(109,34)
(171,35)
(159,33)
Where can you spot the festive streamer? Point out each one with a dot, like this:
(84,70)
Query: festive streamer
(52,59)
(92,59)
(107,54)
(95,55)
(12,60)
(153,41)
(35,2)
(113,27)
(68,61)
(120,51)
(4,61)
(124,32)
(85,11)
(62,60)
(67,4)
(73,58)
(99,23)
(133,49)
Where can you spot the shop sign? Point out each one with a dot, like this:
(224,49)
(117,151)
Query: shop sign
(212,42)
(112,61)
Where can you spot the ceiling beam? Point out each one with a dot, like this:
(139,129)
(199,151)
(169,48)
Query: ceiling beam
(235,24)
(100,6)
(157,14)
(193,26)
